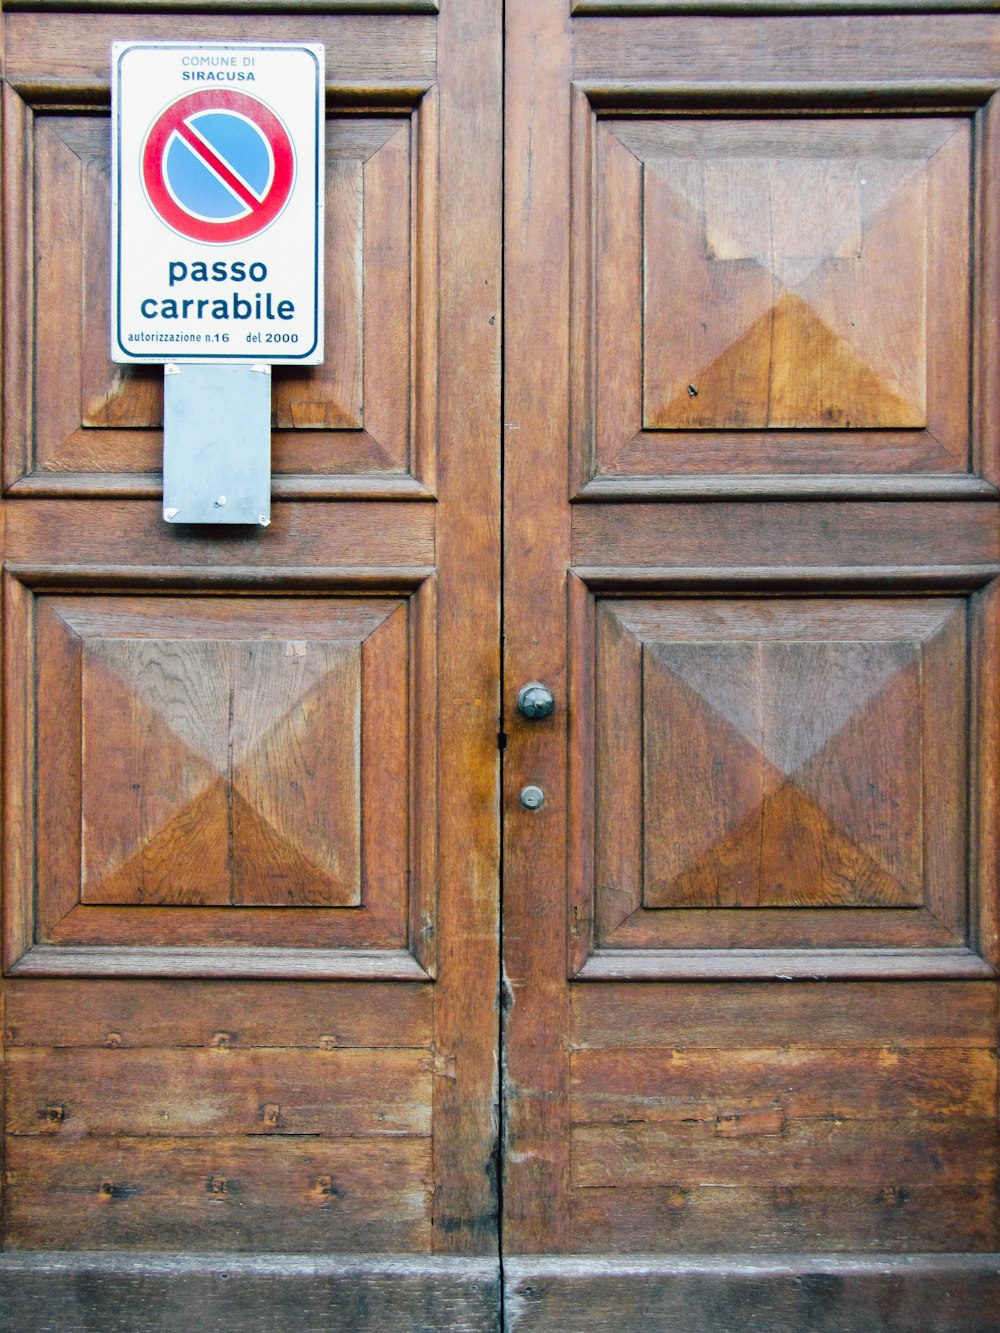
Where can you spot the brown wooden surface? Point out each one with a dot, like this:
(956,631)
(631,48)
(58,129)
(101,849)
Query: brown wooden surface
(197,754)
(141,1014)
(364,423)
(251,1006)
(233,1293)
(536,547)
(751,937)
(808,1292)
(727,1031)
(790,321)
(730,776)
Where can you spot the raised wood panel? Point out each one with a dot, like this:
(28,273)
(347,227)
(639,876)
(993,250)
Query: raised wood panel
(782,775)
(216,773)
(822,231)
(771,296)
(770,774)
(364,422)
(221,772)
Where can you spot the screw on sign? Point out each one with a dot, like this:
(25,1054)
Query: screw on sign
(218,166)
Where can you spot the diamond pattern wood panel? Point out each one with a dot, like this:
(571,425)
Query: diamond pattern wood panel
(782,774)
(771,296)
(773,772)
(221,772)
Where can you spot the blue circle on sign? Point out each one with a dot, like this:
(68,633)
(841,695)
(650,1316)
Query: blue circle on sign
(220,171)
(218,166)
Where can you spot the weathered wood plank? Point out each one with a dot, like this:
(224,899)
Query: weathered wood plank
(469,184)
(337,1093)
(730,1219)
(734,535)
(536,548)
(232,1293)
(850,1084)
(763,1149)
(811,1293)
(804,49)
(127,534)
(209,1194)
(72,51)
(805,1014)
(213,1014)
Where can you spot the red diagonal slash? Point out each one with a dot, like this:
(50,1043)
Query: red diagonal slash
(218,165)
(260,210)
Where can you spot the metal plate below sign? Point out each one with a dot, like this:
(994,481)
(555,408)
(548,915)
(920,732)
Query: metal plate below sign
(217,443)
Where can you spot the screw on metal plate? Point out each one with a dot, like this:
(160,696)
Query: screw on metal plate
(217,443)
(532,798)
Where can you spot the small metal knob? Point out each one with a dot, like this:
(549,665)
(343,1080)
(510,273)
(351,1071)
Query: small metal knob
(535,700)
(532,798)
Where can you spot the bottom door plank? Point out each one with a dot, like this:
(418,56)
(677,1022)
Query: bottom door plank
(804,1293)
(240,1294)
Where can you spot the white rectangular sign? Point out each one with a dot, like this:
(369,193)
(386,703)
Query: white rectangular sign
(216,227)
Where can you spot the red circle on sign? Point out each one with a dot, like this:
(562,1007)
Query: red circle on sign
(174,121)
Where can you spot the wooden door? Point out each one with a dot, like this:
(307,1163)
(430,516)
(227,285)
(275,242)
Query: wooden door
(250,776)
(752,544)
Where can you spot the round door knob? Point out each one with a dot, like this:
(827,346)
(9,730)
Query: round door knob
(532,798)
(535,700)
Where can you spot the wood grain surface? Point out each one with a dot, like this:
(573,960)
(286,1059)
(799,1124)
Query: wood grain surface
(727,1032)
(256,1010)
(730,1057)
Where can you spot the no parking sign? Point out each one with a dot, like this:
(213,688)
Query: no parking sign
(217,202)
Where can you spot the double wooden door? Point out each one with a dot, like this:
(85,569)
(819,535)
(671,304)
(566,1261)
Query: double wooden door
(287,1040)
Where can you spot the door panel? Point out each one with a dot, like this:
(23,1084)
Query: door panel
(250,894)
(250,958)
(750,936)
(799,274)
(362,423)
